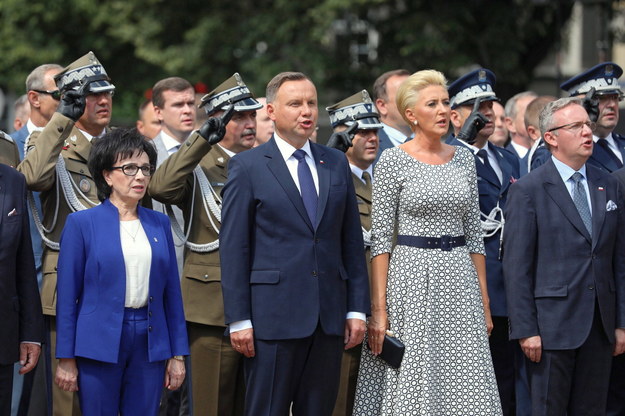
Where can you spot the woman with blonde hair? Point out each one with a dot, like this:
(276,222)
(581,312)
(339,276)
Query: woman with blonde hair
(430,287)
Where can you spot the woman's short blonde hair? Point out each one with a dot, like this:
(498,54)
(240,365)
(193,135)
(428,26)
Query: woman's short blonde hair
(408,91)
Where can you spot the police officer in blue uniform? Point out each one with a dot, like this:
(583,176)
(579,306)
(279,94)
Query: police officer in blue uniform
(472,116)
(609,150)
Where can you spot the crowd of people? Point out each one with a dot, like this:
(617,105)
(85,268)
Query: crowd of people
(217,260)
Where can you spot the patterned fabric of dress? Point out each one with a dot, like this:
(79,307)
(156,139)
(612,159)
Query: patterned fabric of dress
(434,301)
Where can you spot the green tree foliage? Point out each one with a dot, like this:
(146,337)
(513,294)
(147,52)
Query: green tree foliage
(342,44)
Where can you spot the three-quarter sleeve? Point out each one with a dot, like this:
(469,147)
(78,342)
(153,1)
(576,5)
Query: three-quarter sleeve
(387,186)
(472,223)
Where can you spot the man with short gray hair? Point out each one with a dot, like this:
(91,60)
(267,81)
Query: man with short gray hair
(563,268)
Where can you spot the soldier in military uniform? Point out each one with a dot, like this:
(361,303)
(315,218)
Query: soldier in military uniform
(602,106)
(56,166)
(9,154)
(356,124)
(192,178)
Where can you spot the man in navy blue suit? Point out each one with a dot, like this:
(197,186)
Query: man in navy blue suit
(395,130)
(496,170)
(608,154)
(564,268)
(294,279)
(21,327)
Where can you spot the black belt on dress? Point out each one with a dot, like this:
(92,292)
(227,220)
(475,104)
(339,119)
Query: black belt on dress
(445,242)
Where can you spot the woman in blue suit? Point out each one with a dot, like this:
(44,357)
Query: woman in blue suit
(121,325)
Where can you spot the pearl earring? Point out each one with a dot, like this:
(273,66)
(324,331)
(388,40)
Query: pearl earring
(415,122)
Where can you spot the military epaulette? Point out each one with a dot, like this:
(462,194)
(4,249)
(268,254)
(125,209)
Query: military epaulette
(6,137)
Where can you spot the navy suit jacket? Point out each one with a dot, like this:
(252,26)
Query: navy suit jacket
(91,287)
(491,192)
(555,272)
(278,269)
(521,160)
(22,319)
(602,159)
(385,143)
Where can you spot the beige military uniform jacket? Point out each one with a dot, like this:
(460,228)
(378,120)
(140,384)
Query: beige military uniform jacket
(173,184)
(39,167)
(363,197)
(9,155)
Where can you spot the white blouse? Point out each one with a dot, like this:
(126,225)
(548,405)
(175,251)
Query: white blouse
(137,258)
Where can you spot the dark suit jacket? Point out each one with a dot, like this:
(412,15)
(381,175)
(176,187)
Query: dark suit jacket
(278,269)
(554,270)
(521,160)
(92,287)
(385,143)
(491,192)
(602,159)
(21,318)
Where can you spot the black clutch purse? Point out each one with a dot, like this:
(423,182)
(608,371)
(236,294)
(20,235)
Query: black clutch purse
(392,350)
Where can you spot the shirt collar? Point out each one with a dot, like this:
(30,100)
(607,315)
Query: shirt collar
(169,142)
(287,150)
(396,136)
(358,172)
(608,138)
(30,126)
(226,151)
(521,150)
(566,171)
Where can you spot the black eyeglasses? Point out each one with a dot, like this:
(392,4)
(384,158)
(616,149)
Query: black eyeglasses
(576,126)
(131,169)
(56,94)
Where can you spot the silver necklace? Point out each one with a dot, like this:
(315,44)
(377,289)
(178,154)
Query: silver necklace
(132,236)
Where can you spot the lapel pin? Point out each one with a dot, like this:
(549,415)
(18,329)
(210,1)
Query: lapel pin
(321,161)
(155,240)
(600,188)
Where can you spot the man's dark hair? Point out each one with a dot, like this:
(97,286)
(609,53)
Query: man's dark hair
(168,84)
(379,86)
(115,145)
(281,78)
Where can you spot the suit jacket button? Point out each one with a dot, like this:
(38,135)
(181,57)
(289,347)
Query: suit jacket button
(590,287)
(314,273)
(150,313)
(151,298)
(150,328)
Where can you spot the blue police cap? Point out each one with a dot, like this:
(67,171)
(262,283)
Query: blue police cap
(466,89)
(603,77)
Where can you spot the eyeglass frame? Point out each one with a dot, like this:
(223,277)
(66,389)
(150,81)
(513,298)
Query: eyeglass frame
(150,169)
(571,126)
(55,94)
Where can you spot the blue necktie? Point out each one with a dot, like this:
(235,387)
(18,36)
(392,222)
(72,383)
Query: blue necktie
(306,185)
(581,200)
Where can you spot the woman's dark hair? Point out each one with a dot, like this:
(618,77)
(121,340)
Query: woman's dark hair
(117,144)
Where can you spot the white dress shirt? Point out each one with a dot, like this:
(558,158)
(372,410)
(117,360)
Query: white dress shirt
(137,259)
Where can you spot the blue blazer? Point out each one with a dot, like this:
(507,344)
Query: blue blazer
(385,143)
(600,157)
(22,319)
(20,137)
(555,272)
(492,192)
(91,287)
(277,268)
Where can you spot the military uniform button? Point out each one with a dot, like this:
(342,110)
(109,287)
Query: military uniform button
(150,328)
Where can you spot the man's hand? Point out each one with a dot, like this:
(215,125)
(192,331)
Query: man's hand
(473,124)
(174,374)
(532,347)
(619,345)
(354,332)
(591,104)
(214,129)
(29,355)
(73,103)
(67,374)
(342,140)
(243,342)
